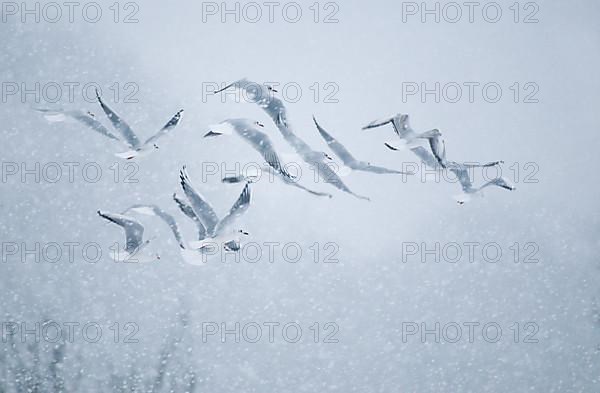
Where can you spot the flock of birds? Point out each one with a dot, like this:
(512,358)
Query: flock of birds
(214,233)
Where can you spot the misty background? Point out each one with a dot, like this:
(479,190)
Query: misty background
(171,54)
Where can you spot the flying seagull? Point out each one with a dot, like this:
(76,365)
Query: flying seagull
(408,137)
(348,159)
(461,171)
(462,175)
(249,132)
(130,138)
(190,256)
(438,148)
(134,243)
(87,118)
(126,135)
(217,230)
(273,106)
(262,95)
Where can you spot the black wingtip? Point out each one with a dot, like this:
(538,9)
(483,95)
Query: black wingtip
(390,147)
(316,122)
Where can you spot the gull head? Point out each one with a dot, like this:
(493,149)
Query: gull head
(258,123)
(270,88)
(241,231)
(155,146)
(327,156)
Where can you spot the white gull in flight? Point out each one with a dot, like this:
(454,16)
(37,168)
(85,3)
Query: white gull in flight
(347,157)
(273,106)
(127,136)
(216,230)
(134,243)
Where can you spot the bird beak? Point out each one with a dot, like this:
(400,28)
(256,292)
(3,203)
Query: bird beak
(274,90)
(211,134)
(244,233)
(260,124)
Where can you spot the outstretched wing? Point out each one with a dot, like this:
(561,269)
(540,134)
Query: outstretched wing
(203,210)
(134,231)
(239,207)
(383,171)
(295,183)
(158,212)
(399,122)
(119,124)
(171,124)
(463,177)
(189,212)
(438,148)
(85,118)
(328,175)
(378,123)
(336,146)
(261,143)
(425,156)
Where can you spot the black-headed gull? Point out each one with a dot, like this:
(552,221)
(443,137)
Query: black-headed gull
(348,159)
(400,122)
(217,230)
(249,131)
(134,242)
(127,137)
(274,107)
